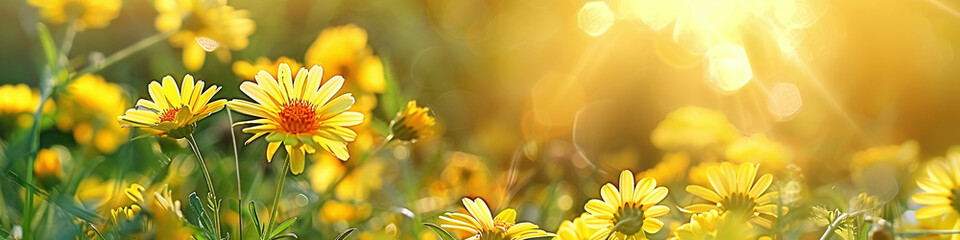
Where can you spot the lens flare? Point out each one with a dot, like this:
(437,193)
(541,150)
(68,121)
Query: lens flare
(728,68)
(784,101)
(595,18)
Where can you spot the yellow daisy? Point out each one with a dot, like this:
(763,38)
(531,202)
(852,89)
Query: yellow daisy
(203,26)
(735,193)
(343,51)
(481,226)
(299,113)
(713,225)
(87,13)
(623,213)
(941,189)
(574,230)
(248,70)
(412,123)
(173,112)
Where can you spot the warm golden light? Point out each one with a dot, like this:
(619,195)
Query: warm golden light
(595,18)
(784,100)
(728,68)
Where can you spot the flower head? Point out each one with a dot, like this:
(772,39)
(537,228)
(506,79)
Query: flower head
(628,212)
(735,193)
(47,166)
(18,101)
(941,191)
(299,113)
(480,224)
(203,26)
(412,123)
(713,225)
(574,230)
(86,13)
(173,112)
(343,51)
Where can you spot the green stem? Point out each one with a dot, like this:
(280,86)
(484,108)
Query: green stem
(206,175)
(276,197)
(3,212)
(124,53)
(67,44)
(46,87)
(236,161)
(920,233)
(203,165)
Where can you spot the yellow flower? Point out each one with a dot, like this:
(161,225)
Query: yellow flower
(890,156)
(343,51)
(173,112)
(673,167)
(128,212)
(87,13)
(712,225)
(735,192)
(334,211)
(467,172)
(203,22)
(574,230)
(412,123)
(164,200)
(248,71)
(759,149)
(91,117)
(480,224)
(299,113)
(47,166)
(19,101)
(941,189)
(693,128)
(630,209)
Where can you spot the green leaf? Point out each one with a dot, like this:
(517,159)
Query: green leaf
(283,226)
(344,234)
(203,219)
(49,49)
(444,235)
(391,100)
(256,218)
(288,235)
(64,202)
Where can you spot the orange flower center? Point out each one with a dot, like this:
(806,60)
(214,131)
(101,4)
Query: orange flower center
(299,116)
(168,115)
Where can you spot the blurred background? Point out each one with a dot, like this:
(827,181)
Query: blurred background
(538,102)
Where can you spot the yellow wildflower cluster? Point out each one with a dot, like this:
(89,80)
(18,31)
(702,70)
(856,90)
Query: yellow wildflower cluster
(18,102)
(203,26)
(84,13)
(90,117)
